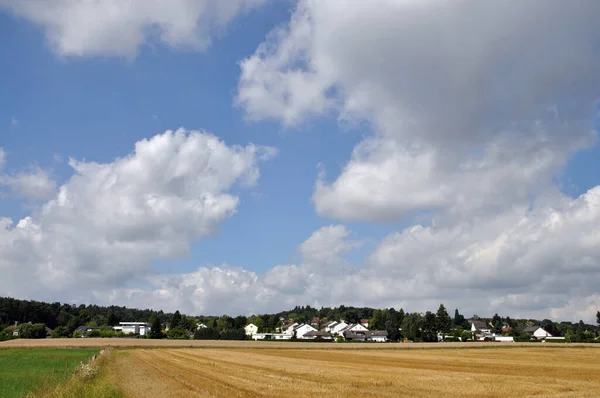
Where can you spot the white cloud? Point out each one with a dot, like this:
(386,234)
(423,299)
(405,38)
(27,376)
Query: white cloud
(471,106)
(35,183)
(541,262)
(2,158)
(119,28)
(14,122)
(109,220)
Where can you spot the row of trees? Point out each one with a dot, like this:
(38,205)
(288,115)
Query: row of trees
(65,318)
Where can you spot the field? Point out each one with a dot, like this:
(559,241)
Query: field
(259,369)
(23,370)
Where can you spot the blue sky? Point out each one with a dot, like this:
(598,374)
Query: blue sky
(415,196)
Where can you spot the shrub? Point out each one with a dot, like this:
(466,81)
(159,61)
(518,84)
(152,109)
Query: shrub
(177,334)
(32,331)
(94,333)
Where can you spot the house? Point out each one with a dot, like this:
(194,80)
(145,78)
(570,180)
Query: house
(479,326)
(289,328)
(365,323)
(541,334)
(506,327)
(317,335)
(504,339)
(353,327)
(329,326)
(201,326)
(140,328)
(302,329)
(529,329)
(338,327)
(250,329)
(378,336)
(84,330)
(315,322)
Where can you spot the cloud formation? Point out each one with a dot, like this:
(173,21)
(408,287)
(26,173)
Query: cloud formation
(120,28)
(109,220)
(465,102)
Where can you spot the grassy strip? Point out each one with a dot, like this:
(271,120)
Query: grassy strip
(26,370)
(95,380)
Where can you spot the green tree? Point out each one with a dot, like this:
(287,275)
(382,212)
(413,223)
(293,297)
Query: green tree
(443,320)
(156,328)
(411,326)
(32,331)
(497,323)
(175,320)
(598,318)
(377,322)
(206,334)
(177,334)
(429,327)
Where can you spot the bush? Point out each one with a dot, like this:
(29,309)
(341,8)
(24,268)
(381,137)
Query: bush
(94,333)
(32,331)
(206,334)
(177,334)
(108,333)
(61,331)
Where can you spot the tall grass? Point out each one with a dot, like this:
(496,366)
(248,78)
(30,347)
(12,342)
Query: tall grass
(92,380)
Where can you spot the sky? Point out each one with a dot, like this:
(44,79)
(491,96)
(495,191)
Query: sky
(249,156)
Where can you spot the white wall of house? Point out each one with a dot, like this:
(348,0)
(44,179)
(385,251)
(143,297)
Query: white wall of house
(302,330)
(133,327)
(251,329)
(379,339)
(541,333)
(290,329)
(358,328)
(276,336)
(504,339)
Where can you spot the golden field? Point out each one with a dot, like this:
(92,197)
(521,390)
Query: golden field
(272,372)
(140,368)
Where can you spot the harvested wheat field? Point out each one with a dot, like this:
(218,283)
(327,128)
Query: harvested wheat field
(271,372)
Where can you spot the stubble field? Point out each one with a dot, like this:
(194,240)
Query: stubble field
(140,368)
(489,372)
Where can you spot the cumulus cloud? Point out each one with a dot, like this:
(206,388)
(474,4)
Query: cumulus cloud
(2,158)
(455,93)
(109,220)
(35,183)
(119,28)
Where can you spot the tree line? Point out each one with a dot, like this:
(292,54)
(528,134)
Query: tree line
(63,320)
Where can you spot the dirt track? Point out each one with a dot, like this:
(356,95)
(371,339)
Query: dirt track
(144,343)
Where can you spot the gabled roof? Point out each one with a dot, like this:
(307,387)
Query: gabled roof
(530,328)
(378,333)
(479,324)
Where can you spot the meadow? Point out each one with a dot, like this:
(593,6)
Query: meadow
(138,368)
(26,370)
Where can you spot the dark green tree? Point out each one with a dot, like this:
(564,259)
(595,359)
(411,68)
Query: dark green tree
(598,318)
(175,320)
(497,323)
(156,328)
(443,320)
(459,320)
(429,327)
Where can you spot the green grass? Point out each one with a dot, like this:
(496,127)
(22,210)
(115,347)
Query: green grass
(25,370)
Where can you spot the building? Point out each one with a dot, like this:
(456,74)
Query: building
(302,329)
(140,328)
(541,334)
(250,329)
(504,339)
(365,323)
(315,322)
(378,336)
(84,330)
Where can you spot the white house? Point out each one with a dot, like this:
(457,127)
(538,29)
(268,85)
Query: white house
(329,326)
(337,328)
(301,330)
(140,328)
(477,325)
(250,329)
(201,326)
(504,339)
(290,328)
(541,334)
